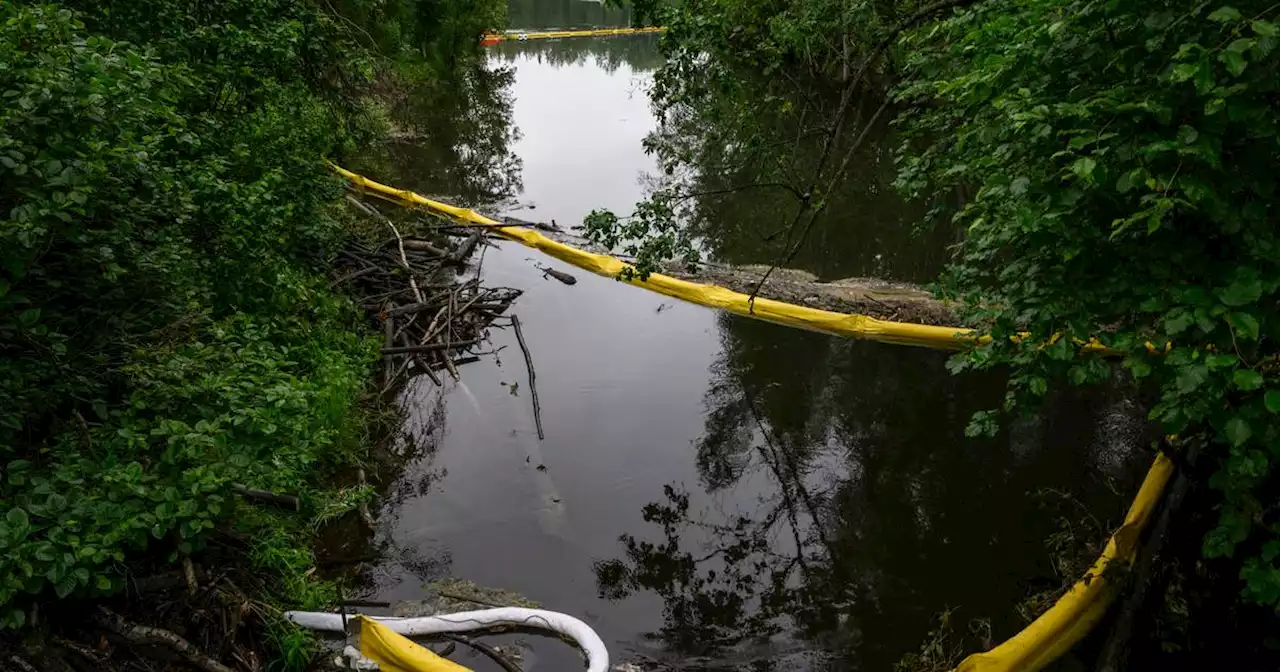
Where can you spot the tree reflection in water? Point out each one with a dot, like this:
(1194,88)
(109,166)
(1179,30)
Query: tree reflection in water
(453,138)
(638,52)
(869,511)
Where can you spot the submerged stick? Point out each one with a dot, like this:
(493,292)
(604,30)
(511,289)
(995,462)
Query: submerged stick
(425,369)
(533,389)
(487,650)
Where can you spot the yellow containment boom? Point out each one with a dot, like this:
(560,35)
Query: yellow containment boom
(1050,635)
(397,653)
(813,319)
(493,38)
(1075,614)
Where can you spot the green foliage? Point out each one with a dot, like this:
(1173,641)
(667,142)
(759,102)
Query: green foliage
(751,102)
(166,327)
(1121,159)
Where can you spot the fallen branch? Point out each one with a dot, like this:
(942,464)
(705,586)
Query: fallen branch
(352,276)
(365,604)
(430,347)
(413,308)
(22,664)
(145,635)
(287,501)
(533,389)
(487,650)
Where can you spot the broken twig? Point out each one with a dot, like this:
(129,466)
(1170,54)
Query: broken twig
(533,389)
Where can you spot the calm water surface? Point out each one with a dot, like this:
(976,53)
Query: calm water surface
(710,486)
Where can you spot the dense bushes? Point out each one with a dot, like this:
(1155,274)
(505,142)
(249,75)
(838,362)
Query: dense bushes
(165,224)
(1124,160)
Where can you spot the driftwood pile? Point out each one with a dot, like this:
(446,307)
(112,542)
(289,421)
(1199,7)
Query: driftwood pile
(431,320)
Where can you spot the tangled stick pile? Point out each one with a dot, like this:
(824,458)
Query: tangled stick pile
(430,319)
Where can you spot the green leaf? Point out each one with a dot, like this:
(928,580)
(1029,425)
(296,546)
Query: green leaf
(17,518)
(1177,321)
(1245,325)
(1221,361)
(17,618)
(1084,167)
(1039,386)
(1225,14)
(64,587)
(1265,28)
(29,316)
(1191,377)
(1125,183)
(1247,379)
(1241,45)
(103,582)
(1185,71)
(1272,400)
(1238,431)
(1139,367)
(1234,61)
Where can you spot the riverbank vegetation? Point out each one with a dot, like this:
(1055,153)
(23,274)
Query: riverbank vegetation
(1106,168)
(168,332)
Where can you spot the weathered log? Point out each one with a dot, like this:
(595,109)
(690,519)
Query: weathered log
(146,635)
(418,245)
(465,249)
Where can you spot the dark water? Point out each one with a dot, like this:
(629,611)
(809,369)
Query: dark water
(713,486)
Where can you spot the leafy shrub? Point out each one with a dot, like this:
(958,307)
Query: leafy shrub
(1124,155)
(166,327)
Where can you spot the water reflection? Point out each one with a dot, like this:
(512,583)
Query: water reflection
(785,500)
(870,513)
(454,138)
(548,14)
(638,52)
(868,229)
